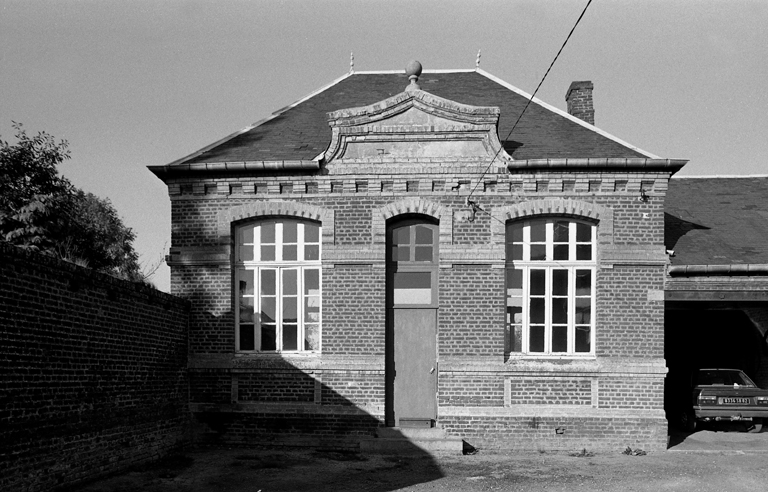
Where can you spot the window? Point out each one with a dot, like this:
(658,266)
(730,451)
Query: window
(277,276)
(550,285)
(412,261)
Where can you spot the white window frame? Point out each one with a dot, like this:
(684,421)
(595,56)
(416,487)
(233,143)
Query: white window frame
(549,265)
(279,265)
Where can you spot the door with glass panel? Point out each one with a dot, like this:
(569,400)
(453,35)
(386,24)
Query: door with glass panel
(411,345)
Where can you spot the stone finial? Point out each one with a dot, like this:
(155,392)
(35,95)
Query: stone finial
(413,70)
(477,62)
(351,62)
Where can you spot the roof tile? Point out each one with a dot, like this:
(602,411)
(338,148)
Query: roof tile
(301,132)
(717,220)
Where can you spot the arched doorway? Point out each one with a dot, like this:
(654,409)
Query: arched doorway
(412,301)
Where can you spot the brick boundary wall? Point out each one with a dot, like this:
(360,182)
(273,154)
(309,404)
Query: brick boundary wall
(93,373)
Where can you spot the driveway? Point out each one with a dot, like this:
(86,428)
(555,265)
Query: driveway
(267,470)
(721,437)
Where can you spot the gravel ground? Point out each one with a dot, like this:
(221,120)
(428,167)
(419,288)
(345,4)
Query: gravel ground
(704,461)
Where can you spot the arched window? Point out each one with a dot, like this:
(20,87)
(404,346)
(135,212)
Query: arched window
(550,285)
(278,288)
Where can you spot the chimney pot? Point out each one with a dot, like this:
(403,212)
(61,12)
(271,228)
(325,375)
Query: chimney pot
(579,101)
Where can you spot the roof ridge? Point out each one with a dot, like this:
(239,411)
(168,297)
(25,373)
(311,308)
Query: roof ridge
(496,94)
(402,72)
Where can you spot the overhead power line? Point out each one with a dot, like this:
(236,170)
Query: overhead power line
(528,103)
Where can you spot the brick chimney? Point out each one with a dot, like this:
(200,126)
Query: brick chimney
(579,100)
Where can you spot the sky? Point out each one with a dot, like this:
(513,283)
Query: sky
(133,84)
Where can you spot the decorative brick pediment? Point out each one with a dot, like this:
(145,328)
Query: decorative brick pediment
(415,125)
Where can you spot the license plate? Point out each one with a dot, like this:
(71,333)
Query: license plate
(737,401)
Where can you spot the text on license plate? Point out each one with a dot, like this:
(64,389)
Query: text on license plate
(735,400)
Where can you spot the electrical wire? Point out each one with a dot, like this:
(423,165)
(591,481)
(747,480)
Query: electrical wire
(477,208)
(529,101)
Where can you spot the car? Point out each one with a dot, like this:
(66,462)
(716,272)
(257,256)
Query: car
(719,394)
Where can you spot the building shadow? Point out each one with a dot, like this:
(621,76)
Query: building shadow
(289,402)
(675,228)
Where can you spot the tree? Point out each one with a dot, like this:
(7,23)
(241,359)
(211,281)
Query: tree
(29,168)
(42,211)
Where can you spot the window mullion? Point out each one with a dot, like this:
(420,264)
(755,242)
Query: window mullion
(571,309)
(257,243)
(527,242)
(257,307)
(300,306)
(548,305)
(526,302)
(549,239)
(300,241)
(279,309)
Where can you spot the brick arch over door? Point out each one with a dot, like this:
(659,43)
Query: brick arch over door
(275,208)
(553,206)
(412,206)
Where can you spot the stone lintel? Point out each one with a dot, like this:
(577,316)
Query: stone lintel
(287,409)
(563,411)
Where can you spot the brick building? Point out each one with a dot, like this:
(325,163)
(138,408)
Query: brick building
(373,257)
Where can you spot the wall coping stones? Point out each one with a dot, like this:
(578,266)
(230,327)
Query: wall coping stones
(287,408)
(82,276)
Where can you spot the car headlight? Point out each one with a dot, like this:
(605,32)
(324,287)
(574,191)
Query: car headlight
(762,400)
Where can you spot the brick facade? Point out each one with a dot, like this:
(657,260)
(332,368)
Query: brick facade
(94,373)
(471,315)
(608,399)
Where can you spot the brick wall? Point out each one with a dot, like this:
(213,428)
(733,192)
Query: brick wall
(353,202)
(630,324)
(551,433)
(472,310)
(93,373)
(461,389)
(353,310)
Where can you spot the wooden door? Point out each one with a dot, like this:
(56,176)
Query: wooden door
(413,370)
(411,347)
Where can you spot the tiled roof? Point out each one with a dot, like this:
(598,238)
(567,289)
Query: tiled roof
(301,131)
(717,220)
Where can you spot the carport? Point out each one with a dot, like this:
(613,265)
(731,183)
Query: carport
(715,328)
(716,288)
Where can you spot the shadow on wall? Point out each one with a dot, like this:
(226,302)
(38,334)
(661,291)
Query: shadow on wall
(280,402)
(93,375)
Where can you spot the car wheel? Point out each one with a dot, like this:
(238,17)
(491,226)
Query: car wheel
(755,426)
(687,421)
